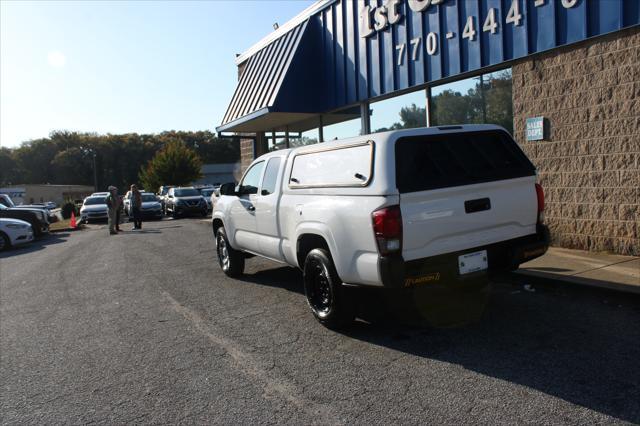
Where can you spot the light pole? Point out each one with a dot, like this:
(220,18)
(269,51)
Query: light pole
(95,172)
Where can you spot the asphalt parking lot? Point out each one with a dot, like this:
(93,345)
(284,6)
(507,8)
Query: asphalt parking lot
(144,327)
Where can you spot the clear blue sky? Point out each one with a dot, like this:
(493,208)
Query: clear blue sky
(116,67)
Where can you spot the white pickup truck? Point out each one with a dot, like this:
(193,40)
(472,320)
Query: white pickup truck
(428,206)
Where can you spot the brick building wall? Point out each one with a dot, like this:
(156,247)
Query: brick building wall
(589,161)
(246,154)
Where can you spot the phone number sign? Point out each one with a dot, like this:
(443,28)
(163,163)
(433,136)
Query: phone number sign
(371,48)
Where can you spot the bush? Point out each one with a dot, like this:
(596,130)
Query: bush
(68,207)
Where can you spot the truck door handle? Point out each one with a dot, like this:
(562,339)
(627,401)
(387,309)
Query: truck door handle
(251,208)
(472,206)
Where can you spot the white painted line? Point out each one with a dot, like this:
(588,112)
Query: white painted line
(247,364)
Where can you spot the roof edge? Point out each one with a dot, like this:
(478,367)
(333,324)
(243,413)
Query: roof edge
(243,119)
(284,29)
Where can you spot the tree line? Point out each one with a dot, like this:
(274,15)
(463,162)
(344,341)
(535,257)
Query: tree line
(68,157)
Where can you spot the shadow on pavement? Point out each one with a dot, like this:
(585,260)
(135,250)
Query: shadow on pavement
(36,245)
(580,347)
(283,277)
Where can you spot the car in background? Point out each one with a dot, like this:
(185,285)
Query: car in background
(49,205)
(94,208)
(151,207)
(36,218)
(6,201)
(14,232)
(185,201)
(99,194)
(208,194)
(162,195)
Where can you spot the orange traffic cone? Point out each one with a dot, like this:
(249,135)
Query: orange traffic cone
(73,223)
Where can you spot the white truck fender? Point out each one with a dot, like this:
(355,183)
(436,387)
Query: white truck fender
(221,216)
(316,228)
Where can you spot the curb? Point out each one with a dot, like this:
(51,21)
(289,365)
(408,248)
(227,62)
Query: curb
(608,285)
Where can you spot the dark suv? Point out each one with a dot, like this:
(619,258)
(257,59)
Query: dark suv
(185,201)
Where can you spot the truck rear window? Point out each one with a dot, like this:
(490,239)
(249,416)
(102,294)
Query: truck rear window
(441,161)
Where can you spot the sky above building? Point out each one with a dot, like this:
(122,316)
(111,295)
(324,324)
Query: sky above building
(117,67)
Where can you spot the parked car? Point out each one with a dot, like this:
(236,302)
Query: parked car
(36,218)
(208,193)
(94,208)
(6,201)
(437,207)
(185,201)
(14,232)
(151,207)
(99,194)
(162,195)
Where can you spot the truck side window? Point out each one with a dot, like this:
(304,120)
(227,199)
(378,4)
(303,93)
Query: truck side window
(251,179)
(270,177)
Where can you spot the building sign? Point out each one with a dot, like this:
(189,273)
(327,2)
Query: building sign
(535,129)
(374,19)
(371,48)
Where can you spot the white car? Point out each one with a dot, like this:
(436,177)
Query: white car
(209,196)
(441,207)
(14,232)
(94,208)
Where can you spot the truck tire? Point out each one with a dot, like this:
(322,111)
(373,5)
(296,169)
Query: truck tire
(231,260)
(328,299)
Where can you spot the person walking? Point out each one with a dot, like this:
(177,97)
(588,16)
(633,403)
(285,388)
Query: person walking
(136,206)
(113,203)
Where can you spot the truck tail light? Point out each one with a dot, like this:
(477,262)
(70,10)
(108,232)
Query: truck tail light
(387,228)
(540,196)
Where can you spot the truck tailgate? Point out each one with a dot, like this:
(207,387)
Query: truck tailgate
(463,190)
(453,219)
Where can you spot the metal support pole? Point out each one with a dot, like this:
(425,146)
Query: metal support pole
(365,119)
(484,106)
(320,130)
(95,173)
(428,106)
(286,137)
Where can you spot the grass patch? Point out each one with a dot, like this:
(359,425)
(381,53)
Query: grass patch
(61,225)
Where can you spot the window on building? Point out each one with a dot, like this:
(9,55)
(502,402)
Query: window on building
(483,99)
(400,112)
(306,138)
(342,124)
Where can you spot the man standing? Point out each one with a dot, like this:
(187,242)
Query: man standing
(136,206)
(113,203)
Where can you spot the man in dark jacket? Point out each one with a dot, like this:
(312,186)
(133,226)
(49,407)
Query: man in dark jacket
(136,207)
(113,203)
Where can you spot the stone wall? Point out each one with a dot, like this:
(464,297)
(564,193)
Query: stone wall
(246,154)
(589,161)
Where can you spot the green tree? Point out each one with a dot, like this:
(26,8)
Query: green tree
(174,164)
(411,117)
(8,167)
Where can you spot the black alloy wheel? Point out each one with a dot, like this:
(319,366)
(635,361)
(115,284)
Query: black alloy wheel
(327,297)
(231,261)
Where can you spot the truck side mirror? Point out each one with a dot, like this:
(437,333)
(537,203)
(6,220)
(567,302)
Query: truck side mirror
(228,189)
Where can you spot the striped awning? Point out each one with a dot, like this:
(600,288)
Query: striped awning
(262,81)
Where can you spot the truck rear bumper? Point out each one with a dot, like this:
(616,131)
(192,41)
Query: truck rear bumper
(504,256)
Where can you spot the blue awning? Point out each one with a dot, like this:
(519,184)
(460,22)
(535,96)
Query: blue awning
(270,79)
